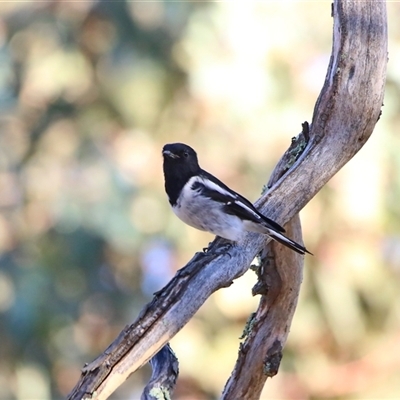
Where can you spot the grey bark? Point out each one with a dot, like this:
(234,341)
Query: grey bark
(344,118)
(164,376)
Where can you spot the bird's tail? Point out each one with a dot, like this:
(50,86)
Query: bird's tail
(279,237)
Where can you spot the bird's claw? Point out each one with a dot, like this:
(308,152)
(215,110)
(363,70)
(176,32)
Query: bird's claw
(219,248)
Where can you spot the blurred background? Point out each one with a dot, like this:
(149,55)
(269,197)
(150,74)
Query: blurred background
(90,91)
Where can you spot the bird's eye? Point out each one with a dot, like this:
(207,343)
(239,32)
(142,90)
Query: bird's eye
(185,154)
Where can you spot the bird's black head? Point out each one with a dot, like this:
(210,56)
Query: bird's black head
(180,158)
(180,164)
(179,153)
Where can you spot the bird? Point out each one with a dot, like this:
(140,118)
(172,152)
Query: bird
(202,201)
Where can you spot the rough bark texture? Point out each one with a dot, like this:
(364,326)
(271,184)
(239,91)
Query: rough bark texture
(165,372)
(279,278)
(344,118)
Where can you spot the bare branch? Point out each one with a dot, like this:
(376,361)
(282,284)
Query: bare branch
(344,117)
(165,372)
(279,279)
(280,273)
(359,32)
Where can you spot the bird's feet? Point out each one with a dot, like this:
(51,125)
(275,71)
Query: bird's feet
(219,246)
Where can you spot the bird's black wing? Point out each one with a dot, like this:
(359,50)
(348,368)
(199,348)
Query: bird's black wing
(234,204)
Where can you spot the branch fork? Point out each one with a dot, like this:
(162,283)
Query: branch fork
(344,118)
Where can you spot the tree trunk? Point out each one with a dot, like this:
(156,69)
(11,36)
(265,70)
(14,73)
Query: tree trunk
(344,118)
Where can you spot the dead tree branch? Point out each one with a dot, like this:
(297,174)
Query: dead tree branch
(344,118)
(163,378)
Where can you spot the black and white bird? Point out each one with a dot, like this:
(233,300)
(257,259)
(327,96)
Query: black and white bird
(202,201)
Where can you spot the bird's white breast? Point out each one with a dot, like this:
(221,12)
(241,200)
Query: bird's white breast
(205,214)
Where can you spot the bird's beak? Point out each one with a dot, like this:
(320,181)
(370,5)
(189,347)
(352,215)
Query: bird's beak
(169,154)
